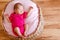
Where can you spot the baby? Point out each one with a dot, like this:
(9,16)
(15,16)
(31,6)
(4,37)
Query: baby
(17,19)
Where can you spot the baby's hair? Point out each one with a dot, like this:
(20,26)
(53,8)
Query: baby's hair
(16,5)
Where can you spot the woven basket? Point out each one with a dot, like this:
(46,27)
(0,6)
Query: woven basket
(38,29)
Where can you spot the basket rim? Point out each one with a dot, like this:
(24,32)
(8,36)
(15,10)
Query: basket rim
(38,18)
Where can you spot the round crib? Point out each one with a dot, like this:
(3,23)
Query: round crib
(35,20)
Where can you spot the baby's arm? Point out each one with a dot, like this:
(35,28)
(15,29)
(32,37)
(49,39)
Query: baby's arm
(29,10)
(7,17)
(26,29)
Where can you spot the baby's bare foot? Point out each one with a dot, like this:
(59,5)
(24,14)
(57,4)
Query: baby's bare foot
(25,34)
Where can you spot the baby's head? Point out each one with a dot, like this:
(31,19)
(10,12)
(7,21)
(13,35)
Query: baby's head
(18,8)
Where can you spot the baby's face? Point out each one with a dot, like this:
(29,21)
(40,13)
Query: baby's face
(20,9)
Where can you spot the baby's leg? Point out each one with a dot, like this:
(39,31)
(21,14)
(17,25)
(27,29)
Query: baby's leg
(17,30)
(26,30)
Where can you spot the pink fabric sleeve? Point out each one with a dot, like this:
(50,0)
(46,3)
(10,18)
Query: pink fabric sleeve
(25,14)
(10,17)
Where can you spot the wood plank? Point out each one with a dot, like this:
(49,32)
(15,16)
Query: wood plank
(50,34)
(52,26)
(1,28)
(1,25)
(2,5)
(52,19)
(48,3)
(0,12)
(48,11)
(51,15)
(41,0)
(4,1)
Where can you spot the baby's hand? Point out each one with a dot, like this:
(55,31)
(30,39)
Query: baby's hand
(30,7)
(29,10)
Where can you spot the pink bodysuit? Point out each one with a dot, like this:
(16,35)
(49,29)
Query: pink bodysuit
(18,20)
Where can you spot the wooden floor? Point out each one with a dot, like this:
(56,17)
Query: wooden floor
(51,14)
